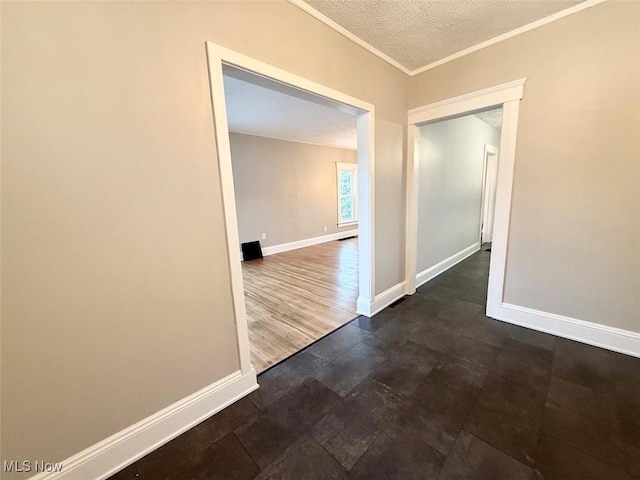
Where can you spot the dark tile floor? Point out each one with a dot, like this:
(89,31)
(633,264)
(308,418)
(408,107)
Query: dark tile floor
(430,388)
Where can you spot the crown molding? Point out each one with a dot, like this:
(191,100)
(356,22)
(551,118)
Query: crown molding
(303,142)
(513,33)
(343,31)
(487,43)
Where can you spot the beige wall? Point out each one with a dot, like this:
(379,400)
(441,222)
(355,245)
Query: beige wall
(116,290)
(286,190)
(390,216)
(115,282)
(575,229)
(450,184)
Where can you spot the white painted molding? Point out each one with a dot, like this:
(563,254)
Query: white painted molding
(244,62)
(506,36)
(281,138)
(366,206)
(431,272)
(509,95)
(125,447)
(474,48)
(346,33)
(502,208)
(411,208)
(603,336)
(488,97)
(488,150)
(363,306)
(382,300)
(285,247)
(223,146)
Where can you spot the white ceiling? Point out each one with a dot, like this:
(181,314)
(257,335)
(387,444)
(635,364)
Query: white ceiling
(417,34)
(492,117)
(260,106)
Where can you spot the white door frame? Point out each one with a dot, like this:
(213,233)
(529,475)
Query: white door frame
(489,150)
(508,95)
(217,57)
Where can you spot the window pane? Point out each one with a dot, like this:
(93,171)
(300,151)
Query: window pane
(346,209)
(345,184)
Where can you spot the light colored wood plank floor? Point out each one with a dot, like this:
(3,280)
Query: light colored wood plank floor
(296,297)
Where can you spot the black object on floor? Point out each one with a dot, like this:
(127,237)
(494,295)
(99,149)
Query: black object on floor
(251,251)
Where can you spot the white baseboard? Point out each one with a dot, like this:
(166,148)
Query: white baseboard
(125,447)
(381,301)
(363,306)
(603,336)
(431,272)
(307,242)
(285,247)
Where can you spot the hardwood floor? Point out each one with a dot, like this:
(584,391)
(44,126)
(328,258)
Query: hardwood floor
(296,297)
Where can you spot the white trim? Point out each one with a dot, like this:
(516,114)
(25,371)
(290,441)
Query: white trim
(125,447)
(474,48)
(411,207)
(509,94)
(347,224)
(464,104)
(223,147)
(366,208)
(488,151)
(343,31)
(502,209)
(616,339)
(431,272)
(506,36)
(244,62)
(217,56)
(383,300)
(307,242)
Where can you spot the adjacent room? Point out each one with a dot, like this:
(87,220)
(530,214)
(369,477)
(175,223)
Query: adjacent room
(457,180)
(185,245)
(295,175)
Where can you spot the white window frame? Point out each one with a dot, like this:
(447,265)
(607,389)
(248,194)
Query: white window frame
(353,168)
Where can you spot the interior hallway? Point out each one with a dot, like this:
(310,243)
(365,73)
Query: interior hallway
(294,298)
(428,389)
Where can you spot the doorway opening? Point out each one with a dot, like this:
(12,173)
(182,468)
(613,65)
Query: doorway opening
(490,185)
(304,260)
(506,96)
(457,172)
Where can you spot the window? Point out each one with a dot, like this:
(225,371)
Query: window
(347,181)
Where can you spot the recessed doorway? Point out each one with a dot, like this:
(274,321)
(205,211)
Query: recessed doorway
(221,61)
(508,97)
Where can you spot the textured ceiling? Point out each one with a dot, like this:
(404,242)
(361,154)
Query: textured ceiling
(492,117)
(259,106)
(416,33)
